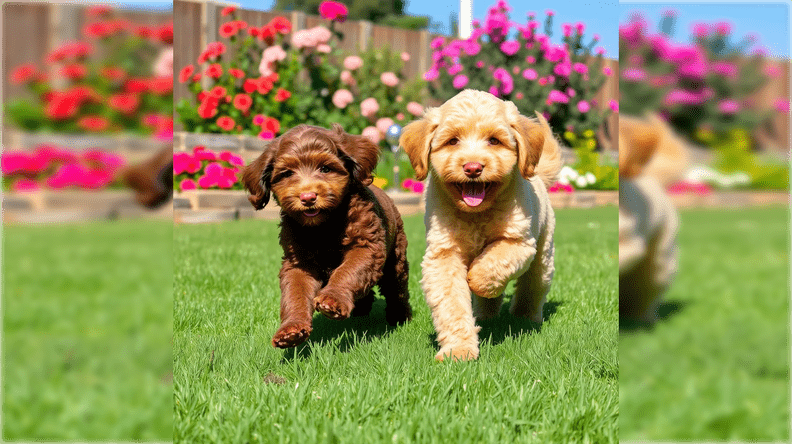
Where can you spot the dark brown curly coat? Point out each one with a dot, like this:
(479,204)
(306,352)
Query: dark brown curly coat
(340,236)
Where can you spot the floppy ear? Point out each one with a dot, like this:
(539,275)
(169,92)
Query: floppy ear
(638,142)
(257,177)
(531,136)
(416,139)
(360,155)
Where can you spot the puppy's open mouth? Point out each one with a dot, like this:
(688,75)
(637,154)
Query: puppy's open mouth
(473,193)
(311,213)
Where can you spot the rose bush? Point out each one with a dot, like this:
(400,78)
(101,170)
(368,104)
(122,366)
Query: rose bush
(558,80)
(57,168)
(130,88)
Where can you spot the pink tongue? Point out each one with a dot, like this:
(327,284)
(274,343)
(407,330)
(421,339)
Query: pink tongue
(311,213)
(473,194)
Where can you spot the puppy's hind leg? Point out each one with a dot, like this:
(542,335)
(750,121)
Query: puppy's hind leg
(486,308)
(363,305)
(530,292)
(394,282)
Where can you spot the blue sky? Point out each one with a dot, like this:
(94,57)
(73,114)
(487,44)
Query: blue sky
(769,20)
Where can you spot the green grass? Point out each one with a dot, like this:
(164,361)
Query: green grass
(716,367)
(87,328)
(361,381)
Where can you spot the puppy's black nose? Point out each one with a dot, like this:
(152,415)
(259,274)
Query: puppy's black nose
(308,199)
(473,169)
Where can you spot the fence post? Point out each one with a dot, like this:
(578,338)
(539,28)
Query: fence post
(63,28)
(298,20)
(365,34)
(423,57)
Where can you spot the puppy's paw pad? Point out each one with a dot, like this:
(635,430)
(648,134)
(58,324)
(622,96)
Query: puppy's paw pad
(291,335)
(332,307)
(459,353)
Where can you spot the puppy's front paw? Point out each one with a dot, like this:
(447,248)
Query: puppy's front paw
(332,306)
(483,284)
(291,335)
(458,353)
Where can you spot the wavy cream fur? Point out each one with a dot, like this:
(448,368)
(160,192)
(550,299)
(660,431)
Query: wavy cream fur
(511,238)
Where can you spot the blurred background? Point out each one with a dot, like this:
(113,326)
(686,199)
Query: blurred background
(715,364)
(87,221)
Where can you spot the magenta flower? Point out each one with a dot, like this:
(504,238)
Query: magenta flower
(510,48)
(700,30)
(227,156)
(185,163)
(460,81)
(480,64)
(418,187)
(728,106)
(781,105)
(432,74)
(771,71)
(266,135)
(530,59)
(507,82)
(563,69)
(201,153)
(455,69)
(25,184)
(437,43)
(634,74)
(566,29)
(580,68)
(725,69)
(583,106)
(471,48)
(217,175)
(723,28)
(334,11)
(530,74)
(187,184)
(67,175)
(614,105)
(407,184)
(681,97)
(557,96)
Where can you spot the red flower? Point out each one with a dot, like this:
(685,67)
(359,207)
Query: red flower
(98,10)
(84,93)
(196,77)
(124,103)
(74,71)
(161,85)
(208,107)
(226,123)
(228,30)
(250,85)
(144,32)
(268,34)
(214,71)
(228,11)
(97,30)
(77,50)
(281,25)
(165,33)
(242,102)
(93,123)
(253,31)
(218,92)
(264,85)
(282,95)
(333,11)
(62,106)
(271,124)
(24,74)
(137,85)
(236,73)
(240,24)
(112,73)
(186,73)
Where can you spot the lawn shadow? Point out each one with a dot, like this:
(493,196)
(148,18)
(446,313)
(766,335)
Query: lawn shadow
(664,311)
(505,325)
(349,332)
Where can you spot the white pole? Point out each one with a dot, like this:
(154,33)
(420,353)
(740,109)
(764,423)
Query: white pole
(465,18)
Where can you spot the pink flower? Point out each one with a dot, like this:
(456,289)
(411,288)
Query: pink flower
(700,30)
(369,107)
(480,64)
(580,68)
(607,70)
(510,48)
(530,74)
(372,134)
(187,184)
(324,48)
(614,105)
(557,96)
(725,69)
(689,187)
(723,28)
(563,69)
(25,184)
(407,184)
(583,106)
(353,62)
(781,105)
(570,92)
(67,175)
(383,124)
(432,74)
(437,43)
(227,156)
(681,96)
(405,57)
(455,69)
(334,11)
(266,135)
(347,78)
(201,153)
(415,108)
(418,187)
(507,83)
(342,98)
(400,116)
(771,71)
(258,119)
(634,74)
(471,48)
(530,59)
(217,175)
(460,81)
(185,163)
(389,79)
(728,106)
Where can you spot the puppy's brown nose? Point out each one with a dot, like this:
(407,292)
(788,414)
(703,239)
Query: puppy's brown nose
(473,169)
(308,199)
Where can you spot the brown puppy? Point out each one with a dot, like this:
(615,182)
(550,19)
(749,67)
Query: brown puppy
(340,237)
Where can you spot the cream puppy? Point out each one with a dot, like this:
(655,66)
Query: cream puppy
(488,216)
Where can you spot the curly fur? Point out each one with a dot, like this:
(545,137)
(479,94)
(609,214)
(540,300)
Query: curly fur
(331,260)
(508,236)
(152,180)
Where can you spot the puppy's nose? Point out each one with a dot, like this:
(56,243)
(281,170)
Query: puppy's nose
(308,199)
(473,169)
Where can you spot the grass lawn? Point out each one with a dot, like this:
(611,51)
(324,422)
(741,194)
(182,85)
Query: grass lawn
(717,366)
(361,381)
(87,328)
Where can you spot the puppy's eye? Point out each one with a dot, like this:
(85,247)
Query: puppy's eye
(494,141)
(453,141)
(324,169)
(284,174)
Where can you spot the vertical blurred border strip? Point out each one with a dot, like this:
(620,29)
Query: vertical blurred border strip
(716,365)
(87,271)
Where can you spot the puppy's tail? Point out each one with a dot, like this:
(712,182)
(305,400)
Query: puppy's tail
(550,162)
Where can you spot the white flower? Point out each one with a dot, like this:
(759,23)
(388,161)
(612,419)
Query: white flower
(581,182)
(563,180)
(568,173)
(591,178)
(701,174)
(741,178)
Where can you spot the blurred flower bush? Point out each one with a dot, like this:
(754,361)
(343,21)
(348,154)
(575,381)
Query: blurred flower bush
(51,167)
(119,78)
(558,80)
(589,172)
(264,81)
(207,170)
